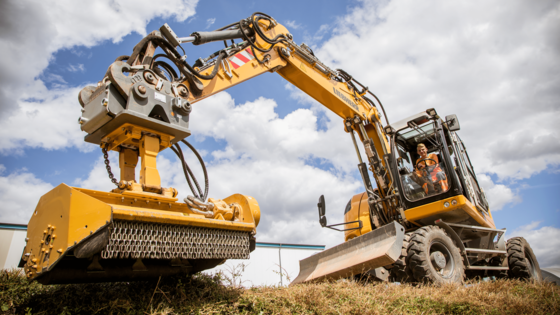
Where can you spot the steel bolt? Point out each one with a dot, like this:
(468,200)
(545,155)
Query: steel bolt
(149,77)
(142,89)
(183,91)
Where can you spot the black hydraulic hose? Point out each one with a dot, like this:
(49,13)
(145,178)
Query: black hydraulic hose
(252,43)
(167,68)
(206,181)
(257,58)
(184,168)
(349,78)
(382,108)
(259,31)
(214,71)
(186,172)
(191,173)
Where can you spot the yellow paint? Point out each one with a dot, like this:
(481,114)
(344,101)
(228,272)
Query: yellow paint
(77,213)
(359,210)
(121,212)
(434,208)
(149,148)
(73,214)
(127,162)
(251,210)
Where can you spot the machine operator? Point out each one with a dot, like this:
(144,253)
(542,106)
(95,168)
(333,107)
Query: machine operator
(428,172)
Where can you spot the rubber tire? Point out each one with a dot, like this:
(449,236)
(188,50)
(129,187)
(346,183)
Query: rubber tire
(518,251)
(400,271)
(498,261)
(418,258)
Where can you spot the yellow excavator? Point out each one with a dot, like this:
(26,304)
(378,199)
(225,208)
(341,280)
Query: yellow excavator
(426,218)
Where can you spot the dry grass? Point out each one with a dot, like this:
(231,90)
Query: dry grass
(203,294)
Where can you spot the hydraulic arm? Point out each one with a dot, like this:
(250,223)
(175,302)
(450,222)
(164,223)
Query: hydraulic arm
(266,46)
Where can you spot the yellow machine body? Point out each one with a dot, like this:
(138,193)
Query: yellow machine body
(67,217)
(140,231)
(454,212)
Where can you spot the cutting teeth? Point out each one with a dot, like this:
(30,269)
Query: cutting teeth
(163,241)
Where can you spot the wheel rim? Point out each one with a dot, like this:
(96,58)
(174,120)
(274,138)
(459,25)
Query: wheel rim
(449,269)
(532,267)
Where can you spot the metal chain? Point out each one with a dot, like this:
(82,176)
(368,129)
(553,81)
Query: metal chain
(108,167)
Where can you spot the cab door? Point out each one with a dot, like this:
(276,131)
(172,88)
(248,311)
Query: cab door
(475,192)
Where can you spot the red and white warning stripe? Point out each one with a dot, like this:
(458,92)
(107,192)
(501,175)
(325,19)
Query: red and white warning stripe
(241,58)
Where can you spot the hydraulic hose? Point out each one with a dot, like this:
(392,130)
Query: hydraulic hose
(191,173)
(349,78)
(186,172)
(214,71)
(380,105)
(206,181)
(267,17)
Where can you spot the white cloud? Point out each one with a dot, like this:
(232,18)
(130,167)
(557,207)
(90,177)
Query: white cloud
(98,178)
(53,25)
(266,136)
(498,195)
(210,22)
(544,241)
(75,68)
(19,193)
(50,122)
(496,67)
(292,24)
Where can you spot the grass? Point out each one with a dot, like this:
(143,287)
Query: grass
(205,294)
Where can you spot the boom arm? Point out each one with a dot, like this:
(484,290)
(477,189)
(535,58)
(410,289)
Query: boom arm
(266,47)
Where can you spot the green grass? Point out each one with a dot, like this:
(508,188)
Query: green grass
(204,294)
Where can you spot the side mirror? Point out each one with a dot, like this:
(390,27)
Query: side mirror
(452,122)
(321,206)
(323,219)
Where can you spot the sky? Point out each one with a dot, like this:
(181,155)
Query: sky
(495,64)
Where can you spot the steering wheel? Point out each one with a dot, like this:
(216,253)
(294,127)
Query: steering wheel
(425,164)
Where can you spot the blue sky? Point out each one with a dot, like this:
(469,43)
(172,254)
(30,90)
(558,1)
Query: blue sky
(497,68)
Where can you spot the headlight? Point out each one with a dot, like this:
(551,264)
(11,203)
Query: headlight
(432,112)
(446,204)
(454,202)
(389,130)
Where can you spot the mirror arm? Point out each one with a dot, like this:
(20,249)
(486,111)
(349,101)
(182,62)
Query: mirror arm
(360,225)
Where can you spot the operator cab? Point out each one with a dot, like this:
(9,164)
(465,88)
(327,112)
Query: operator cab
(420,176)
(443,171)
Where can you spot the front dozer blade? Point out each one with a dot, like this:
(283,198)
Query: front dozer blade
(378,248)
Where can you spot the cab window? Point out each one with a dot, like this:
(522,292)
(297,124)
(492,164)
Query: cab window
(422,173)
